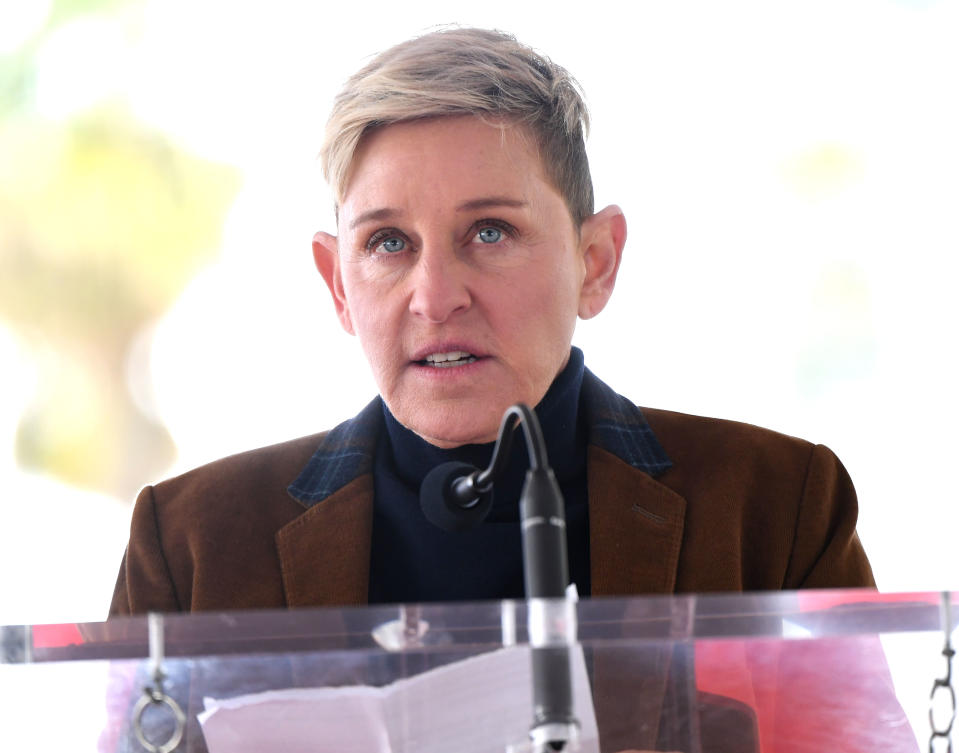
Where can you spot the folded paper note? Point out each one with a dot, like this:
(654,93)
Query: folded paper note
(478,705)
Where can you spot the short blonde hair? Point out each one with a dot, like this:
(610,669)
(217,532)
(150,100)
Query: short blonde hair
(465,71)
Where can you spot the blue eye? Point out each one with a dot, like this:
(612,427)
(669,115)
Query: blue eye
(391,245)
(490,235)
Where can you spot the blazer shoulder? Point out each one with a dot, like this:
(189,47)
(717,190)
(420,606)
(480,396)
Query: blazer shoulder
(205,539)
(737,465)
(274,459)
(254,472)
(781,510)
(687,437)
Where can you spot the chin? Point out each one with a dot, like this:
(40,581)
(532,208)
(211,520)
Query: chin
(447,439)
(455,429)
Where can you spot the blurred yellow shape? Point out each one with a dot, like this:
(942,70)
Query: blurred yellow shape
(823,170)
(103,222)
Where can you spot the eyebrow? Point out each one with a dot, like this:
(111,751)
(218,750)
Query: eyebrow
(487,202)
(492,201)
(378,215)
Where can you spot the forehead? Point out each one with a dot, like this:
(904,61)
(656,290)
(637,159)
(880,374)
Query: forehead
(462,157)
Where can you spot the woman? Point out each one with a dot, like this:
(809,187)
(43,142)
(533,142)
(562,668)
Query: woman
(467,245)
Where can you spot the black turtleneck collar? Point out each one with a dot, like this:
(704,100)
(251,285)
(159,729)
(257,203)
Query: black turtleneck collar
(412,560)
(558,414)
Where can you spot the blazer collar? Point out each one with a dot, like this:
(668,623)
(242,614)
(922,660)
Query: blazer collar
(620,428)
(346,452)
(636,523)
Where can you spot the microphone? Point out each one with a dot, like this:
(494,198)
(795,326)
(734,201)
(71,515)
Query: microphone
(457,497)
(451,499)
(546,574)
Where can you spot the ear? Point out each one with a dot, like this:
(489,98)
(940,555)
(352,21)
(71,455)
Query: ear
(602,238)
(327,260)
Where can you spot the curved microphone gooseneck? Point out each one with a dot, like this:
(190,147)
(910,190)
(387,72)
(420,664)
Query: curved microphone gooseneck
(458,496)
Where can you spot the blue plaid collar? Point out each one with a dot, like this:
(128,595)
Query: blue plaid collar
(620,428)
(346,452)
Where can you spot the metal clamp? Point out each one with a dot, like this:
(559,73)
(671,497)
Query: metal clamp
(551,622)
(547,738)
(944,684)
(154,695)
(405,633)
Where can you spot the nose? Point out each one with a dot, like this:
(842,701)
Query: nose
(439,285)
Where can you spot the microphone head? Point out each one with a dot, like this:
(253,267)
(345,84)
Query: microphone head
(439,502)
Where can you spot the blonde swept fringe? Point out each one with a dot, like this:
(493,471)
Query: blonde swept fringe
(466,71)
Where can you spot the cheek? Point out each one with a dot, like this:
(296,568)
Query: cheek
(365,298)
(537,317)
(376,320)
(558,294)
(373,323)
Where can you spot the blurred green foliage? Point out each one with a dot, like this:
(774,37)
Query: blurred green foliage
(65,10)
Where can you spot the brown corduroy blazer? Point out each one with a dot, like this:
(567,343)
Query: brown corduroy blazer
(741,509)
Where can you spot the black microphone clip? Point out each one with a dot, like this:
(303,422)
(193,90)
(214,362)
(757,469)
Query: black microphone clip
(453,499)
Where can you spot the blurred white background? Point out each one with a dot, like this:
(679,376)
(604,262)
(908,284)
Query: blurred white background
(789,171)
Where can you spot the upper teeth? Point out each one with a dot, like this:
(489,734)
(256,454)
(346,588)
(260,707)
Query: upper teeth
(455,355)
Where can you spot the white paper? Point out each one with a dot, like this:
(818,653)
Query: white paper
(479,705)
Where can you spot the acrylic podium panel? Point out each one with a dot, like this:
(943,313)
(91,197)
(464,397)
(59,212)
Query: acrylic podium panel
(788,672)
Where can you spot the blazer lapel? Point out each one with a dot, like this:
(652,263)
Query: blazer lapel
(635,528)
(325,552)
(635,533)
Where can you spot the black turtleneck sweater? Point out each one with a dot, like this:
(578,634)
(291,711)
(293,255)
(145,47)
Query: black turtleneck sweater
(414,561)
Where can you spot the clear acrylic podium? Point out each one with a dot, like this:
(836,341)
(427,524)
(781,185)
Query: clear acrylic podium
(787,672)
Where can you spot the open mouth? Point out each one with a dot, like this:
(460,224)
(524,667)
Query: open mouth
(448,360)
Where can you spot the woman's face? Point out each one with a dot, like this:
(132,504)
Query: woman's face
(460,270)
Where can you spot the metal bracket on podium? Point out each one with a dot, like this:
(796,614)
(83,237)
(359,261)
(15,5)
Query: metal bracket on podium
(154,695)
(406,632)
(942,687)
(552,622)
